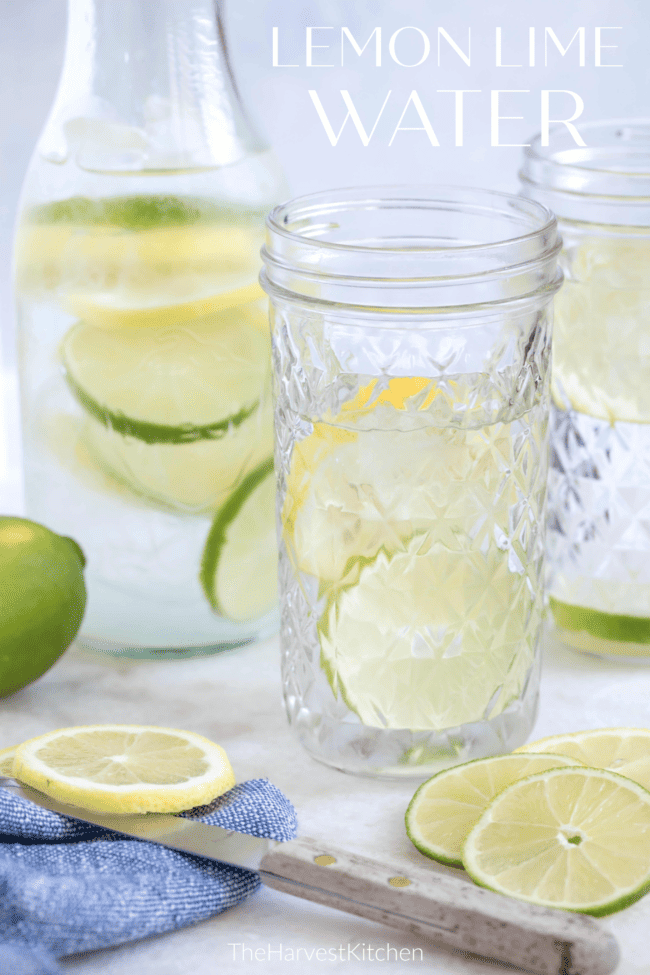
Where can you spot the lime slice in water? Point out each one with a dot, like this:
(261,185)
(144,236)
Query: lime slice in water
(174,412)
(239,567)
(606,626)
(424,639)
(444,809)
(573,838)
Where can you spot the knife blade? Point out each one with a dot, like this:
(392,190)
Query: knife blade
(449,911)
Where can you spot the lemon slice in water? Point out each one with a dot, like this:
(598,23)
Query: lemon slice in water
(125,768)
(573,838)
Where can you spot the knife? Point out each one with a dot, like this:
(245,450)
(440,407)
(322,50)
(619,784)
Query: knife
(449,911)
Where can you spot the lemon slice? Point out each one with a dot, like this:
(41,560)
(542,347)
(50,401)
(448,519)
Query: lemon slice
(446,807)
(125,768)
(622,750)
(175,412)
(573,838)
(422,639)
(7,756)
(239,567)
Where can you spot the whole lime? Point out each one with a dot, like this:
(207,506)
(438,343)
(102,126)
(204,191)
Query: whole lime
(42,600)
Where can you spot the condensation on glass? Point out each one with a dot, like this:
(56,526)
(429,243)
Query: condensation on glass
(411,336)
(599,487)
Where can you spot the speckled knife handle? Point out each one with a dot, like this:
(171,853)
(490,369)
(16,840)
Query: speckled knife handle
(447,910)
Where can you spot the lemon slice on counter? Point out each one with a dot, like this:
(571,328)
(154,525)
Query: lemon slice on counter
(239,567)
(125,768)
(446,807)
(7,756)
(622,750)
(573,838)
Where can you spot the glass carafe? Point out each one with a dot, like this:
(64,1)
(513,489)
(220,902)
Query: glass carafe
(143,341)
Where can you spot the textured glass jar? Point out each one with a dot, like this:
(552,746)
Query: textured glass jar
(411,334)
(599,486)
(143,333)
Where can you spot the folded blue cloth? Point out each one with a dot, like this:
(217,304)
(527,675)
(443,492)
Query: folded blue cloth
(66,886)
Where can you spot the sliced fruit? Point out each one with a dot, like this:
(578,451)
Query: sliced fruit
(622,750)
(573,838)
(125,768)
(174,412)
(444,810)
(427,638)
(239,567)
(7,756)
(606,626)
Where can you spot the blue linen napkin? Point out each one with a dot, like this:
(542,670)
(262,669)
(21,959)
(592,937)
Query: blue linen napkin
(67,886)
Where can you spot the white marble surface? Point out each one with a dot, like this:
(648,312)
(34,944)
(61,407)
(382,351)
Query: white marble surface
(235,699)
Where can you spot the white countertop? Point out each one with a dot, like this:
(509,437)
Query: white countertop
(235,699)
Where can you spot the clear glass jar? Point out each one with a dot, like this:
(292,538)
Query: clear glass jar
(599,487)
(143,334)
(411,336)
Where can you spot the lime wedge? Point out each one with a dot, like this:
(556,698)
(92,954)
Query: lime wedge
(622,750)
(239,566)
(422,639)
(573,838)
(446,807)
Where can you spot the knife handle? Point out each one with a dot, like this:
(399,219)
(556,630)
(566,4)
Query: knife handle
(448,910)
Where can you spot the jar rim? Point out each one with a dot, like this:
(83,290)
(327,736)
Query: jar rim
(409,247)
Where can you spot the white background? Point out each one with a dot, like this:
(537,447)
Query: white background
(32,34)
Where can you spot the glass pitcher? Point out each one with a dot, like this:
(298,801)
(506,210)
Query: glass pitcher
(144,351)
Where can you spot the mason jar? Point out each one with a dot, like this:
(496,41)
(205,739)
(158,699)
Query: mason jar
(411,333)
(599,488)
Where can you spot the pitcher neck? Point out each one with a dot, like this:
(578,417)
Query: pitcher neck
(147,85)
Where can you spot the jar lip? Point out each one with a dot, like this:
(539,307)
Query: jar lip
(624,133)
(405,195)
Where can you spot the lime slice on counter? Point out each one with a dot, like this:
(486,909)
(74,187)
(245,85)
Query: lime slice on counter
(7,756)
(606,626)
(125,768)
(239,567)
(573,838)
(427,638)
(444,810)
(622,750)
(174,412)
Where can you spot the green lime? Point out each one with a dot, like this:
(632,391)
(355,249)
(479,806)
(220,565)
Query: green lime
(43,600)
(574,838)
(446,807)
(607,626)
(240,563)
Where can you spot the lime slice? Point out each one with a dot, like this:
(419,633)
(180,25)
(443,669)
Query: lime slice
(573,838)
(156,417)
(7,756)
(239,567)
(606,626)
(125,768)
(622,750)
(427,638)
(42,600)
(444,810)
